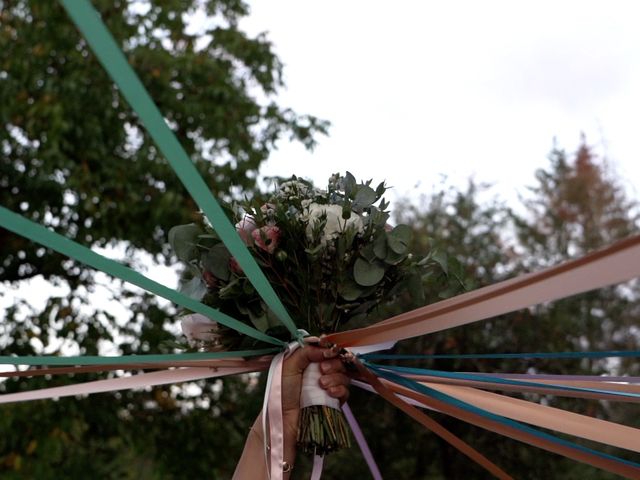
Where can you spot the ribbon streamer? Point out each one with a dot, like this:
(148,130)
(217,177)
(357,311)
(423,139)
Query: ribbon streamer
(614,264)
(480,356)
(123,383)
(628,396)
(88,21)
(362,442)
(31,230)
(511,428)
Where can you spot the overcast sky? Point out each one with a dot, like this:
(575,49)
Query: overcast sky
(417,90)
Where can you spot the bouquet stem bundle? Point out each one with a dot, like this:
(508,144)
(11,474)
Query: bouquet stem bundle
(331,257)
(322,430)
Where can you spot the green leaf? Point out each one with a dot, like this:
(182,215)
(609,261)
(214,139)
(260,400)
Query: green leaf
(394,258)
(184,239)
(416,289)
(365,196)
(440,257)
(380,246)
(399,238)
(349,290)
(349,184)
(216,260)
(368,253)
(367,274)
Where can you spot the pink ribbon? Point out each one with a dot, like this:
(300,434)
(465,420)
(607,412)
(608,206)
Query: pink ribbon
(122,383)
(272,416)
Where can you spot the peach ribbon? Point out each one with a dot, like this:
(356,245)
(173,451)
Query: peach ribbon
(615,264)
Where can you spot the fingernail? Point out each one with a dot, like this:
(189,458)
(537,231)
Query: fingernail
(323,381)
(324,366)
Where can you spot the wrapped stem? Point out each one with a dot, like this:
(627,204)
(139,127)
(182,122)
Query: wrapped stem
(323,428)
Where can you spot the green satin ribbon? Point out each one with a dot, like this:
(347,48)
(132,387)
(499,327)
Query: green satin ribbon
(44,360)
(109,54)
(33,231)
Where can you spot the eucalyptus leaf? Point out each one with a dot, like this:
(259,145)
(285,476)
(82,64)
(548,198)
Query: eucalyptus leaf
(380,246)
(399,238)
(350,290)
(365,196)
(368,253)
(216,260)
(367,274)
(349,184)
(416,289)
(184,239)
(394,258)
(440,257)
(194,288)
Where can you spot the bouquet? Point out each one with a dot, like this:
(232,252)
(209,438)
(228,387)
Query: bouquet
(332,258)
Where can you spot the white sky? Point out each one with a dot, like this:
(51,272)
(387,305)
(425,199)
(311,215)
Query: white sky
(417,90)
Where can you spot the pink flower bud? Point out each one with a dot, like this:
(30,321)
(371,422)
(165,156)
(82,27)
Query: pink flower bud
(266,238)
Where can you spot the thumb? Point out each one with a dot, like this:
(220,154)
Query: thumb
(302,357)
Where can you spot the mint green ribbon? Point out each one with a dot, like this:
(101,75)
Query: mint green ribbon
(109,54)
(44,360)
(31,230)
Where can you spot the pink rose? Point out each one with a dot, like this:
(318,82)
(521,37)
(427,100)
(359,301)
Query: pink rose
(266,237)
(245,229)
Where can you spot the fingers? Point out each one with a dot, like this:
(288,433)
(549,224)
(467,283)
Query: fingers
(301,358)
(336,385)
(333,380)
(340,392)
(332,365)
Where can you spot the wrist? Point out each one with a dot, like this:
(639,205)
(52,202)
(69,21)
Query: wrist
(290,420)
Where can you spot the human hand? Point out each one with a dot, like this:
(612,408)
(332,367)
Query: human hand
(333,379)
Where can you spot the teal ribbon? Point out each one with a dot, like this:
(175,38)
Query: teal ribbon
(479,356)
(44,360)
(88,21)
(500,381)
(415,386)
(33,231)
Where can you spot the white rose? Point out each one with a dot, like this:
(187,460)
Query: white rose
(335,223)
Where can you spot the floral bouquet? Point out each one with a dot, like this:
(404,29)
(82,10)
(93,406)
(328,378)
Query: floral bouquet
(331,257)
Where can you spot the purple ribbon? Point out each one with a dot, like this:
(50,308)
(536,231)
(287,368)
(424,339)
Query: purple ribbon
(362,442)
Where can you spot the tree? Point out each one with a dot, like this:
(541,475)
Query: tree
(76,159)
(493,243)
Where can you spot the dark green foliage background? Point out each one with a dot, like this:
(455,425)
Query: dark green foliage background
(74,158)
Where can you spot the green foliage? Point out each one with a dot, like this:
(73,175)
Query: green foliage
(75,158)
(329,254)
(492,243)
